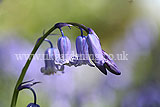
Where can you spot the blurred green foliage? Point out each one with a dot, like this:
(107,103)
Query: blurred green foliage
(31,17)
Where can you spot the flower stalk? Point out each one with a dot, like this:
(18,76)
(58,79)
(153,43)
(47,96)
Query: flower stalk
(24,70)
(85,45)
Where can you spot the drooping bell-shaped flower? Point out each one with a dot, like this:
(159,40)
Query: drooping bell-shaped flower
(64,47)
(33,105)
(50,66)
(51,60)
(99,57)
(82,51)
(95,51)
(110,64)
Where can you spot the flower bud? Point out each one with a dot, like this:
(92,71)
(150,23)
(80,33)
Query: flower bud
(95,52)
(82,51)
(64,47)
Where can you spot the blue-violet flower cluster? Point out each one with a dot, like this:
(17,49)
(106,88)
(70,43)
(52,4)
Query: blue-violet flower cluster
(89,52)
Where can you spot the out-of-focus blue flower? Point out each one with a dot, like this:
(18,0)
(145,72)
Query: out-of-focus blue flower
(146,96)
(33,105)
(51,56)
(64,47)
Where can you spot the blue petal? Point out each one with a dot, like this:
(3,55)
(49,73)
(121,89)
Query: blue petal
(51,60)
(95,52)
(79,44)
(49,57)
(64,46)
(101,67)
(82,51)
(110,64)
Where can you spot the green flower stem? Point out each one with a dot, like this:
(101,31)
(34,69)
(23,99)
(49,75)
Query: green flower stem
(21,77)
(24,70)
(79,25)
(34,94)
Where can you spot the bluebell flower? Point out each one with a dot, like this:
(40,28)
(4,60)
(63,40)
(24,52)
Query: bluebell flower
(99,57)
(88,48)
(82,51)
(33,105)
(95,52)
(50,66)
(51,62)
(64,47)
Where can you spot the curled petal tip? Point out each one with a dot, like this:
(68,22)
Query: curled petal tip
(110,64)
(102,68)
(112,69)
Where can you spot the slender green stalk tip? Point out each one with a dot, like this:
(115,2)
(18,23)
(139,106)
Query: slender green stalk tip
(37,45)
(79,25)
